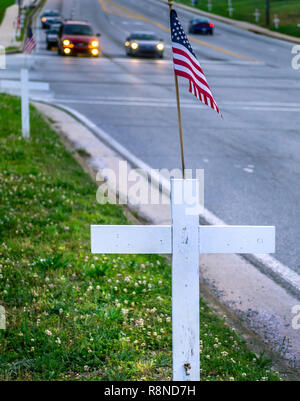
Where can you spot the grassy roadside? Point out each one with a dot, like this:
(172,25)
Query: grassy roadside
(3,6)
(71,315)
(288,12)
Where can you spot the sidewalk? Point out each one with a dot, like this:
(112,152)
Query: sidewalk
(8,27)
(229,281)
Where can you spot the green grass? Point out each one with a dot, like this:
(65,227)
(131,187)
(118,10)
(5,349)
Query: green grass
(288,12)
(72,315)
(3,6)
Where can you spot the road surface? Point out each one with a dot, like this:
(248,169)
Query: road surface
(251,158)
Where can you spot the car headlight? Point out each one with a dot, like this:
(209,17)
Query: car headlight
(44,19)
(134,45)
(66,42)
(67,51)
(95,43)
(160,46)
(127,43)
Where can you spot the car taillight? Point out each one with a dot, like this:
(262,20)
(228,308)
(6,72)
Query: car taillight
(211,25)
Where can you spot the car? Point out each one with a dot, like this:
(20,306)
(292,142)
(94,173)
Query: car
(47,16)
(55,24)
(201,25)
(52,37)
(78,37)
(144,44)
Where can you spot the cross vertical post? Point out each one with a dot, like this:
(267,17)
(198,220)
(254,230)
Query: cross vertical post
(185,282)
(25,103)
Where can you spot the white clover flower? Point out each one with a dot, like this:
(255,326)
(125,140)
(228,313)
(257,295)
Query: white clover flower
(48,332)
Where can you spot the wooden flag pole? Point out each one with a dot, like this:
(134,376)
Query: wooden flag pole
(179,112)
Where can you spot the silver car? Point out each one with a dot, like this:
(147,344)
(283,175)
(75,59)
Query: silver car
(144,44)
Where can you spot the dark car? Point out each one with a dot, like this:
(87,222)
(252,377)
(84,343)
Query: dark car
(52,37)
(144,44)
(48,16)
(55,23)
(77,37)
(201,25)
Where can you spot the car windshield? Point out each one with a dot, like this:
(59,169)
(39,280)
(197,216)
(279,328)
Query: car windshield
(51,14)
(143,36)
(199,21)
(78,30)
(53,31)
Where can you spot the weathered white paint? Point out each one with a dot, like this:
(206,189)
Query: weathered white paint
(214,239)
(25,103)
(237,239)
(185,284)
(184,239)
(131,239)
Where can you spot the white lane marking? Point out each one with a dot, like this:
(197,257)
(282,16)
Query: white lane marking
(248,170)
(143,60)
(266,262)
(144,102)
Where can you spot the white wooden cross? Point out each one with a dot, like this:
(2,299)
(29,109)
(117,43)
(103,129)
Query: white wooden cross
(256,15)
(184,239)
(276,21)
(209,5)
(230,10)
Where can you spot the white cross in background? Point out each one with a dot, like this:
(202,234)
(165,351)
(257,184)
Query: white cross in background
(209,5)
(256,15)
(230,10)
(276,21)
(185,239)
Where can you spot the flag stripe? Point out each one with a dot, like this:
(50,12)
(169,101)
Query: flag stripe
(191,75)
(179,50)
(30,42)
(181,63)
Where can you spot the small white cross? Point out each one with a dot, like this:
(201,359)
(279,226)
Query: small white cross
(256,15)
(276,21)
(230,10)
(185,239)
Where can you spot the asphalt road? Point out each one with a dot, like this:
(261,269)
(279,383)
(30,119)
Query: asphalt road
(251,158)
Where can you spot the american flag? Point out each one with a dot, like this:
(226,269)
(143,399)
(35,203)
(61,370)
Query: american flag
(30,42)
(186,64)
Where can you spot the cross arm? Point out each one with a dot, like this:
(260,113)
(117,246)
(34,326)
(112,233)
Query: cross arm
(131,239)
(158,239)
(237,239)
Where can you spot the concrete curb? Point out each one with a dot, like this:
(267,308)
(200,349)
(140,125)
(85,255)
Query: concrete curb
(246,26)
(286,277)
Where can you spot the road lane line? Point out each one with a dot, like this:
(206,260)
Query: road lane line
(134,14)
(160,104)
